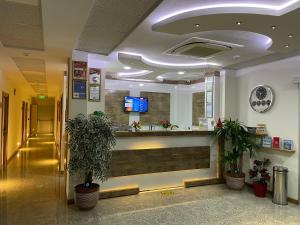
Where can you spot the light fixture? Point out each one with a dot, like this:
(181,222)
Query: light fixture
(239,23)
(126,67)
(287,46)
(229,5)
(290,35)
(141,84)
(197,25)
(274,27)
(151,61)
(142,72)
(180,72)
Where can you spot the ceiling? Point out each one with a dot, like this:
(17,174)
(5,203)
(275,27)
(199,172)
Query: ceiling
(144,40)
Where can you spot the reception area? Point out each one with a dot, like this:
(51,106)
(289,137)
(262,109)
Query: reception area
(154,112)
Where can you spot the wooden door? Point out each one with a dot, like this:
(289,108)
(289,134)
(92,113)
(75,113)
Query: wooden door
(4,130)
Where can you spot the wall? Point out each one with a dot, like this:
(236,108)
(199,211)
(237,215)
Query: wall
(180,103)
(283,119)
(15,111)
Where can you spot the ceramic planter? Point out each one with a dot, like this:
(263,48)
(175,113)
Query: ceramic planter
(260,190)
(86,198)
(235,182)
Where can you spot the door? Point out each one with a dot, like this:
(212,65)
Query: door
(33,120)
(4,130)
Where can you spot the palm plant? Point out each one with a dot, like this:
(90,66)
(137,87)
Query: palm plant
(239,141)
(90,144)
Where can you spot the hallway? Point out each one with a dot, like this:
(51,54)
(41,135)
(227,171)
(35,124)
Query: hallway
(33,187)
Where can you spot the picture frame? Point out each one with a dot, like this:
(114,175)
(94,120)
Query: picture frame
(267,142)
(94,93)
(287,144)
(79,70)
(94,76)
(79,89)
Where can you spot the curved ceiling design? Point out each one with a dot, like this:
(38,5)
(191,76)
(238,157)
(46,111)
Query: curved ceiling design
(169,65)
(285,34)
(217,7)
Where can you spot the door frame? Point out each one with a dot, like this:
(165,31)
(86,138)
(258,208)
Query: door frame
(4,131)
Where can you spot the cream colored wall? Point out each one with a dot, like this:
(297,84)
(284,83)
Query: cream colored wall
(283,119)
(15,111)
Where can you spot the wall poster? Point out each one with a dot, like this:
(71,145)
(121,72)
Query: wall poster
(79,89)
(79,70)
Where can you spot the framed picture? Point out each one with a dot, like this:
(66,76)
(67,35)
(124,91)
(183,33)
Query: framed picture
(79,89)
(94,93)
(94,76)
(267,142)
(287,144)
(79,70)
(276,142)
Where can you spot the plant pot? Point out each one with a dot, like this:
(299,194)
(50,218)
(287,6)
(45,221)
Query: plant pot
(235,182)
(260,190)
(86,198)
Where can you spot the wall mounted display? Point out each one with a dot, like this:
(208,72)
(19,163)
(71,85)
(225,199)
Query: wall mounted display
(94,93)
(276,142)
(79,89)
(79,70)
(261,98)
(94,76)
(287,144)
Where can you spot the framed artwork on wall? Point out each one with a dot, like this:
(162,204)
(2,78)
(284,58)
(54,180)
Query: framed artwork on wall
(94,93)
(79,89)
(94,76)
(79,70)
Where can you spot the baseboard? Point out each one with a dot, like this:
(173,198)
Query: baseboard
(202,182)
(291,200)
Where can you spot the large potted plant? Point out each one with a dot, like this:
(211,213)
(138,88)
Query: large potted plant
(260,176)
(91,141)
(237,141)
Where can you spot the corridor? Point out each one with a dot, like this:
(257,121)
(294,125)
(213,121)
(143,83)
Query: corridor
(32,187)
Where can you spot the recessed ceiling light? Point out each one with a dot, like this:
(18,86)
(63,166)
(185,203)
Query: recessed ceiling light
(180,72)
(197,25)
(236,56)
(290,35)
(274,27)
(127,67)
(239,23)
(286,46)
(141,84)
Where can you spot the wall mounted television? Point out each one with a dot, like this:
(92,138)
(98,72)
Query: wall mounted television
(135,104)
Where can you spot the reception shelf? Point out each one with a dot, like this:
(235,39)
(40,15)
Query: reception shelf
(162,133)
(276,150)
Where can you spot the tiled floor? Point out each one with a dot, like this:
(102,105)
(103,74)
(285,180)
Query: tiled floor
(33,194)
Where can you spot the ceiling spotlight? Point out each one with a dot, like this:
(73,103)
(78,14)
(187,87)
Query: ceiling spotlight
(127,67)
(197,25)
(141,84)
(239,23)
(273,27)
(286,46)
(180,72)
(290,35)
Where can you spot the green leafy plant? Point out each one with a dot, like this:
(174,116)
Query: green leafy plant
(240,141)
(91,141)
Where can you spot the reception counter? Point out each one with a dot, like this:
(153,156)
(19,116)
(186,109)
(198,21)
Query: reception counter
(151,160)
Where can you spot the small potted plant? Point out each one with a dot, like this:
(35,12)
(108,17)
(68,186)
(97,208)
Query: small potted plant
(260,176)
(91,141)
(165,124)
(136,126)
(238,141)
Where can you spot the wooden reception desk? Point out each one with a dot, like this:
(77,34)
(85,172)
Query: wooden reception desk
(151,160)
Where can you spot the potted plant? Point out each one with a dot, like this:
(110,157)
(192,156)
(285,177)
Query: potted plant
(136,126)
(165,124)
(237,141)
(91,141)
(260,176)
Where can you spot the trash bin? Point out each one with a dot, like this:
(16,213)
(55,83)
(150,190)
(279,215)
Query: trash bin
(280,185)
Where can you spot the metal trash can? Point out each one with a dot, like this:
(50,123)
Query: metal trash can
(280,185)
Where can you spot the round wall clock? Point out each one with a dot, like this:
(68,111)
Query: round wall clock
(261,98)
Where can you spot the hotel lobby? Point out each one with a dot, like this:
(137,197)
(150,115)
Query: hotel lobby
(140,112)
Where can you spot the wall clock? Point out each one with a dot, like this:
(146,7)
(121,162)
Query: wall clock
(261,98)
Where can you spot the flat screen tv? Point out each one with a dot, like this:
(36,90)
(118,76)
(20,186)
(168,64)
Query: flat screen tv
(135,104)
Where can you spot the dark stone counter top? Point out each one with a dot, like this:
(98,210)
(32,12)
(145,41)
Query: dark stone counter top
(162,133)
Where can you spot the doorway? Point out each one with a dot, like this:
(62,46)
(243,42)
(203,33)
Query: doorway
(24,123)
(4,131)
